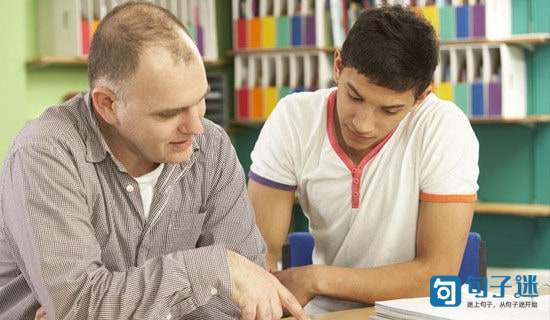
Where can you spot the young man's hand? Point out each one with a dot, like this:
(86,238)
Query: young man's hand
(257,293)
(299,281)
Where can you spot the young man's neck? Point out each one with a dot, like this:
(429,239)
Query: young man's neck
(355,155)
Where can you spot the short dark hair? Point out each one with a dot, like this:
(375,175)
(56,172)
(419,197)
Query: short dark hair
(124,34)
(394,47)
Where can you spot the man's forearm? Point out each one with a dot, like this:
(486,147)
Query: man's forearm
(402,280)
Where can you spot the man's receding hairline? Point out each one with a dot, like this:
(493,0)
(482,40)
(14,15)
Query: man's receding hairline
(173,36)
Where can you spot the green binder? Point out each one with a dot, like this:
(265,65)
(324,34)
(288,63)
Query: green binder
(283,32)
(447,23)
(284,91)
(540,13)
(521,16)
(538,81)
(462,97)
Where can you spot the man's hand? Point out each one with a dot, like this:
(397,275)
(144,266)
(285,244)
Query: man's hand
(257,293)
(40,314)
(299,281)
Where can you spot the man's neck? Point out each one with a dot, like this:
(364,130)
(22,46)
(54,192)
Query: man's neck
(134,165)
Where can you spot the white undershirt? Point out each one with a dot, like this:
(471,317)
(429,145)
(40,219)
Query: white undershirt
(146,186)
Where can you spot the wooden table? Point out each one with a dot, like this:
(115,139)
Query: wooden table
(353,314)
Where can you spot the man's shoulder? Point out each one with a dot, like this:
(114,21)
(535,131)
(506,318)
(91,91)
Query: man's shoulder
(59,125)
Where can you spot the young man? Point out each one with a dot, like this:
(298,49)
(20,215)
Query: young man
(124,203)
(386,172)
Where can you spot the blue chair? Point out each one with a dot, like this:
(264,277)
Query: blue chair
(299,248)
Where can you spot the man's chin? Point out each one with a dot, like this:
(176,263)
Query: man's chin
(178,157)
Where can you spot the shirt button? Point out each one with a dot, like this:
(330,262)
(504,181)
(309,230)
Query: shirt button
(355,180)
(213,291)
(129,188)
(355,194)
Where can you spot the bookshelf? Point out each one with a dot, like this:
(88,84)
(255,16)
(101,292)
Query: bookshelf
(82,61)
(513,209)
(521,39)
(529,120)
(525,40)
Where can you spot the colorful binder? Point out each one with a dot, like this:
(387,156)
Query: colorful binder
(296,26)
(447,23)
(494,99)
(478,100)
(283,31)
(268,32)
(462,21)
(256,103)
(254,30)
(461,97)
(243,104)
(478,21)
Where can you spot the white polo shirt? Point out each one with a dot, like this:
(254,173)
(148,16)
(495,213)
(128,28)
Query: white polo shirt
(365,215)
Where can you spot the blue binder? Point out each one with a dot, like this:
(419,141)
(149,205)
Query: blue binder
(296,25)
(463,22)
(478,105)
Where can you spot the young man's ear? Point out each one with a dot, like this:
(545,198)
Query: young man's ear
(337,65)
(103,101)
(423,96)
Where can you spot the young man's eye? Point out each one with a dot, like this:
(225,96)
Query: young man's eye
(391,112)
(167,115)
(356,99)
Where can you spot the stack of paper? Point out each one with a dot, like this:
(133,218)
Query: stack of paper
(420,309)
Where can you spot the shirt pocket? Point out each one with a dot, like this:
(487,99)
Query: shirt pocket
(183,231)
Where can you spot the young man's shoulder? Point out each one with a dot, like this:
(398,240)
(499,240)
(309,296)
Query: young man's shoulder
(435,112)
(302,109)
(303,103)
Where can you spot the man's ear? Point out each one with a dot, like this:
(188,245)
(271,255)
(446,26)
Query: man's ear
(337,65)
(103,100)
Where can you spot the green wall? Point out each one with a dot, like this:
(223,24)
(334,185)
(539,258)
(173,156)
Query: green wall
(12,82)
(46,86)
(26,91)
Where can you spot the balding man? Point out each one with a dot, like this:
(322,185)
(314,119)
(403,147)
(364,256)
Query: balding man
(124,203)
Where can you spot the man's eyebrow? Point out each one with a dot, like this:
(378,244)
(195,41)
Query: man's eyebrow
(180,109)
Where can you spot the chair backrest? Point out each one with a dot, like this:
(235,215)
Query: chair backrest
(474,261)
(298,252)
